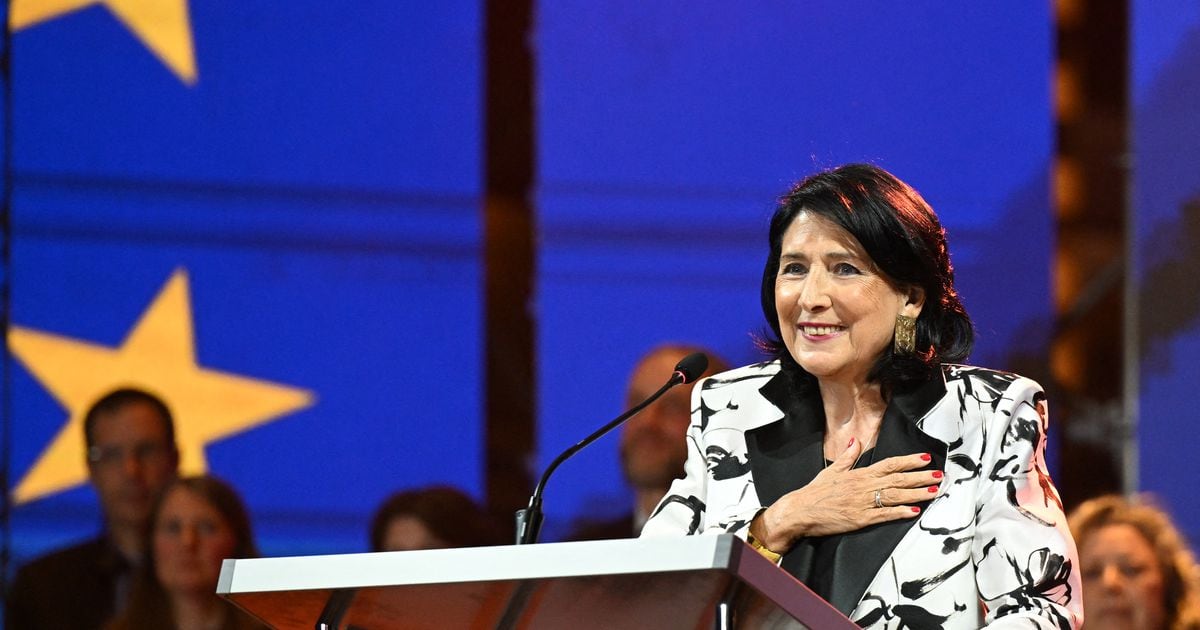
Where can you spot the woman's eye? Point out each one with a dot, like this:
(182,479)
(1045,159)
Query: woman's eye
(845,269)
(793,268)
(1132,570)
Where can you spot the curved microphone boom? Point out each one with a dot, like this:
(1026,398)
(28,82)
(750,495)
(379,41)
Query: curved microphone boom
(529,520)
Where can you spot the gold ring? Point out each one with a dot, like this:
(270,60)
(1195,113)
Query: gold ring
(879,498)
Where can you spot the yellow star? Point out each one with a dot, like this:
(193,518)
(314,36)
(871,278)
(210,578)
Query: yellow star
(161,25)
(157,356)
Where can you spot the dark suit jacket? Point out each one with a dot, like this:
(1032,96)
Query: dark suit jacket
(73,588)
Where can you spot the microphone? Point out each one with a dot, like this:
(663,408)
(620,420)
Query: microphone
(529,520)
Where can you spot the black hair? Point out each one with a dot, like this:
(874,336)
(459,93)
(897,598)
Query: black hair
(904,239)
(448,513)
(118,399)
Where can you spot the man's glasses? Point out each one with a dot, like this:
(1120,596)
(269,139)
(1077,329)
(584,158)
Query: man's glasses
(106,456)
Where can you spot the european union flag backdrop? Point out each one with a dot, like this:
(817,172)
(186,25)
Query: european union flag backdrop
(315,188)
(280,203)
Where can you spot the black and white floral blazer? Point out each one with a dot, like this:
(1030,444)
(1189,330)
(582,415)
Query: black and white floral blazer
(991,549)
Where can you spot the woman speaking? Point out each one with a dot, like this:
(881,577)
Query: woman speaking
(905,489)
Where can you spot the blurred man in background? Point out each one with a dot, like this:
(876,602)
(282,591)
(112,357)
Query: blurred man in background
(653,443)
(131,457)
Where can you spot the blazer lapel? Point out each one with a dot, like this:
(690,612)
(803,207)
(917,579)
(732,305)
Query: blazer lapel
(786,454)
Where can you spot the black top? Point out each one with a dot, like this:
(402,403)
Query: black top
(825,548)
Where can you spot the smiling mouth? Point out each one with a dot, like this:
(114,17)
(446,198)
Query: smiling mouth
(820,331)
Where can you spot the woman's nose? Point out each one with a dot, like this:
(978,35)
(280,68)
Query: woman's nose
(1111,578)
(814,295)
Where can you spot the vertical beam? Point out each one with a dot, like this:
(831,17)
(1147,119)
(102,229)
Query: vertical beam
(510,387)
(1091,198)
(6,195)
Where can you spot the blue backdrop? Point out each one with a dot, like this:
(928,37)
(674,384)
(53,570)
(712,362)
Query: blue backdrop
(666,133)
(320,183)
(1166,250)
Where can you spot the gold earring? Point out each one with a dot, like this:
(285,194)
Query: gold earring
(906,335)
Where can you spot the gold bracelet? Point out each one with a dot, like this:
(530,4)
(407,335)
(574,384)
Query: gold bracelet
(762,549)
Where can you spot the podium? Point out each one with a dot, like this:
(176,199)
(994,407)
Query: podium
(692,582)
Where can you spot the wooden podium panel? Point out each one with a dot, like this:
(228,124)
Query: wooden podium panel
(639,583)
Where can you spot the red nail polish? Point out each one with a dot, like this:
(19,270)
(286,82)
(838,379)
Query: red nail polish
(916,510)
(933,488)
(937,474)
(851,443)
(926,457)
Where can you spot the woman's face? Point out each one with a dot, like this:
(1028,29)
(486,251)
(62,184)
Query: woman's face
(191,538)
(837,313)
(1122,581)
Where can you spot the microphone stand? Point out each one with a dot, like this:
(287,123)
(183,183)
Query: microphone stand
(529,520)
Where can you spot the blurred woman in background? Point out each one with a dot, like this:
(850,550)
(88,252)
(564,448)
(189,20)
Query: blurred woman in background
(434,517)
(198,522)
(1137,569)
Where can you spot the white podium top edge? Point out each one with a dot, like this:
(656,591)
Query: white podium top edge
(479,564)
